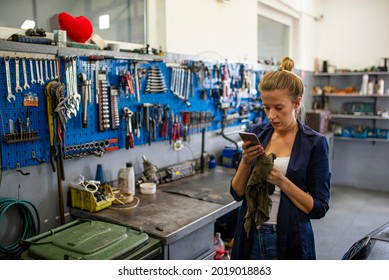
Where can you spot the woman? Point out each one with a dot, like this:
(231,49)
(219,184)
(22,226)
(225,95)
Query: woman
(300,173)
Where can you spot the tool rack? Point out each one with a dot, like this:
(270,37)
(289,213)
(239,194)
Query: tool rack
(29,146)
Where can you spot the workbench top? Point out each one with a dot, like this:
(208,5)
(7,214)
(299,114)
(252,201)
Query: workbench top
(170,216)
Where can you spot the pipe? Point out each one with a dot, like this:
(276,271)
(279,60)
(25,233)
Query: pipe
(202,150)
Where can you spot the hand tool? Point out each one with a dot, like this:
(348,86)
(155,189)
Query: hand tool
(8,78)
(185,121)
(50,120)
(20,128)
(51,70)
(33,81)
(41,70)
(28,130)
(129,138)
(129,83)
(114,107)
(137,124)
(18,87)
(26,85)
(85,96)
(38,73)
(176,134)
(165,122)
(137,85)
(46,71)
(55,65)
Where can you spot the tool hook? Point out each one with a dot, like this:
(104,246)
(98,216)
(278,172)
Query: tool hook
(35,158)
(21,171)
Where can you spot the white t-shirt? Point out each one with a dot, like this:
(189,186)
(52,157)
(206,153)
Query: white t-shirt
(281,163)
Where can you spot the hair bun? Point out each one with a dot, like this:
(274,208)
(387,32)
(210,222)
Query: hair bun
(287,63)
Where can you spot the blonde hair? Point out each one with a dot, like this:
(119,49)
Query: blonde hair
(283,78)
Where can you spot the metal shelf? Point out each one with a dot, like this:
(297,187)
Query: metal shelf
(342,116)
(341,138)
(356,94)
(12,46)
(339,74)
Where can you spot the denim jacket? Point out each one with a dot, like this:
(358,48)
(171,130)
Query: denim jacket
(309,170)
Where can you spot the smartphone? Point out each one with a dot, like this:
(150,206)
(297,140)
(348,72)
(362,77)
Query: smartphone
(249,136)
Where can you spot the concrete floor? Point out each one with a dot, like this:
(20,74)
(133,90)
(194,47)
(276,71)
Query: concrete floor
(353,214)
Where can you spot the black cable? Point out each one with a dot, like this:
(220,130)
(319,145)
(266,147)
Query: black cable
(30,228)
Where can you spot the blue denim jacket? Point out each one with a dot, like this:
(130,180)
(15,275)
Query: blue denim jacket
(309,170)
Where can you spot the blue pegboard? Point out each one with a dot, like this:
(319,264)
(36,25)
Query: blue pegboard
(77,136)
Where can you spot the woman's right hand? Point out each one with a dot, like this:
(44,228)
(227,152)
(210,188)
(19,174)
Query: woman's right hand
(249,153)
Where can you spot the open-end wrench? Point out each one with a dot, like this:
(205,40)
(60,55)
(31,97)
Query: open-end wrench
(18,87)
(26,85)
(51,70)
(32,73)
(55,62)
(10,95)
(41,69)
(38,75)
(46,71)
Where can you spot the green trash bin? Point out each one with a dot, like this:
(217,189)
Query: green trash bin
(92,240)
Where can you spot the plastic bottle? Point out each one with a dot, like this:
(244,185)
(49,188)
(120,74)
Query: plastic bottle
(364,85)
(218,245)
(127,179)
(380,88)
(212,162)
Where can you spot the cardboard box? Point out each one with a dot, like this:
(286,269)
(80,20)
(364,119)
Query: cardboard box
(318,120)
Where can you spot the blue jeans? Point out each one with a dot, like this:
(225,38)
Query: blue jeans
(264,243)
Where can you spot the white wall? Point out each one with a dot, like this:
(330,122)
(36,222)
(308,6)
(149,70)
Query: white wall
(208,26)
(229,31)
(354,33)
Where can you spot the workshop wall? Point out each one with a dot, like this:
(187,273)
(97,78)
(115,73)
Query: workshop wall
(352,34)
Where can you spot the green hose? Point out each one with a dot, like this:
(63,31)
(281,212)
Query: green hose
(29,227)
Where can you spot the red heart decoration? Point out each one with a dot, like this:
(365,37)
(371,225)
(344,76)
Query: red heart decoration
(78,29)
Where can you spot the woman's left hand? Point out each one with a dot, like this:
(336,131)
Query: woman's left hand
(275,176)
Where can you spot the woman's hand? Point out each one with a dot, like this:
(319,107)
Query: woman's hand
(275,176)
(249,153)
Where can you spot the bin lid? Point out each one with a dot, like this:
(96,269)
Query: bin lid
(89,240)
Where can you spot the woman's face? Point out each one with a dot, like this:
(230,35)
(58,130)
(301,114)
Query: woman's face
(280,109)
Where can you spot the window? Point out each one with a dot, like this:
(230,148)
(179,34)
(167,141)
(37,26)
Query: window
(273,39)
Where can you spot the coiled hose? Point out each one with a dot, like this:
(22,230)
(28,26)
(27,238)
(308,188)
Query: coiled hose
(30,228)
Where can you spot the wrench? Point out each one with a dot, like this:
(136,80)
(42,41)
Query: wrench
(32,73)
(38,72)
(51,70)
(46,71)
(55,62)
(10,95)
(26,85)
(41,68)
(18,87)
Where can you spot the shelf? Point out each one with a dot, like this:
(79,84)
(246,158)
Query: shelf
(356,94)
(343,116)
(11,46)
(341,138)
(339,74)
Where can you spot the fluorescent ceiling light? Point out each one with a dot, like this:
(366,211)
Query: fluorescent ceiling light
(28,24)
(104,22)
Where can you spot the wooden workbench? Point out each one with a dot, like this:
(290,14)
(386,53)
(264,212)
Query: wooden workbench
(180,213)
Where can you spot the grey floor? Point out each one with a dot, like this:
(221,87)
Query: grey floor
(353,214)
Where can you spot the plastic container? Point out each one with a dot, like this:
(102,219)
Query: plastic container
(126,182)
(212,162)
(89,240)
(228,156)
(86,200)
(148,188)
